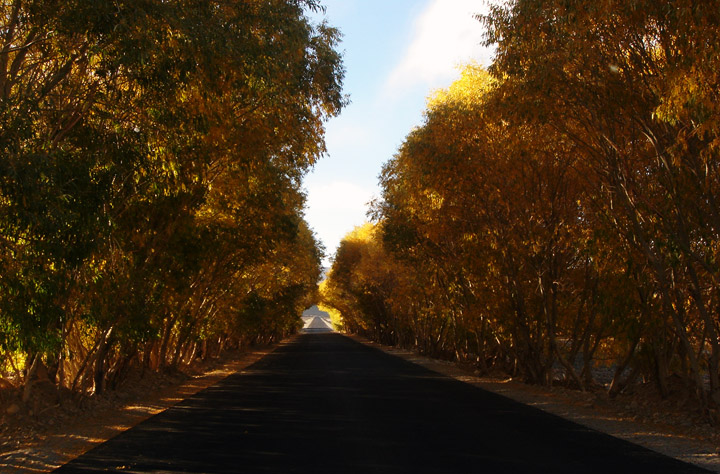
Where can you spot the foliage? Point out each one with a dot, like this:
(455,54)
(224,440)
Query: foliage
(150,202)
(561,208)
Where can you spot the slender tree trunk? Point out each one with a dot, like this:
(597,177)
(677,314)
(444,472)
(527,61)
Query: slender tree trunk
(99,368)
(29,382)
(88,357)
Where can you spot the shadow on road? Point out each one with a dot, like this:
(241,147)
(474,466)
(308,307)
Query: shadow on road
(327,404)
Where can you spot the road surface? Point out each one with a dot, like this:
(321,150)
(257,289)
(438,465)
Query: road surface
(324,403)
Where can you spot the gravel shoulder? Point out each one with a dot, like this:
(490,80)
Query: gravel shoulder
(662,433)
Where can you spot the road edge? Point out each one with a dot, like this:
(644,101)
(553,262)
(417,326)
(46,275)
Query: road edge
(61,447)
(699,453)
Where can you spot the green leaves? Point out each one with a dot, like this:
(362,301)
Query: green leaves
(152,158)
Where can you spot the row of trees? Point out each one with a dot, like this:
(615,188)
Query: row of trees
(150,180)
(560,210)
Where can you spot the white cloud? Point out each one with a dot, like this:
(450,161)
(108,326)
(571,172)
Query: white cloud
(337,196)
(334,209)
(446,34)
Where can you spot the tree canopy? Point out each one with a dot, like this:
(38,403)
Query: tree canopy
(559,209)
(151,208)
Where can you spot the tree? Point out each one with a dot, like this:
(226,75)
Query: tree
(615,79)
(145,164)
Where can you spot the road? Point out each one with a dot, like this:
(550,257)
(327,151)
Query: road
(324,403)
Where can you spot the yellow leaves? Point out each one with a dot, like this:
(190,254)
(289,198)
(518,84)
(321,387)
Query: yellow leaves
(473,85)
(689,100)
(364,282)
(363,233)
(434,199)
(571,197)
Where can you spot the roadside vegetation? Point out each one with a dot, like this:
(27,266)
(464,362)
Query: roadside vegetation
(150,182)
(559,211)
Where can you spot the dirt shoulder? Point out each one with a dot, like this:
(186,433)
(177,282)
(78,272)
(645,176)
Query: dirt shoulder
(662,427)
(58,435)
(50,439)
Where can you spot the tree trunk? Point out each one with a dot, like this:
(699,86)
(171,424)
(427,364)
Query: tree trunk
(99,368)
(616,386)
(29,382)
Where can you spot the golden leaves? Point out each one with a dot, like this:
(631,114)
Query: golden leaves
(572,194)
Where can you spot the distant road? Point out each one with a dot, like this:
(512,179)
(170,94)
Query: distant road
(316,324)
(327,404)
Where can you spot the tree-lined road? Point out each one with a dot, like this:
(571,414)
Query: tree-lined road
(325,403)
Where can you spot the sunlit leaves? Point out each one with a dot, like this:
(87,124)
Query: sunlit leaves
(563,205)
(152,158)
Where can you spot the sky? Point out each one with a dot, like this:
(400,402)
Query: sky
(396,52)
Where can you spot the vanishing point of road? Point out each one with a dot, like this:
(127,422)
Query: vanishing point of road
(324,403)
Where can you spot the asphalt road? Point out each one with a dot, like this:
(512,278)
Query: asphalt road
(326,404)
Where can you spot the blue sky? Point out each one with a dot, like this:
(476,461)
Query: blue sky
(396,53)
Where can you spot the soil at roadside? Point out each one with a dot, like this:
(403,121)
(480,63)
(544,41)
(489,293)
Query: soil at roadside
(45,433)
(41,439)
(671,426)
